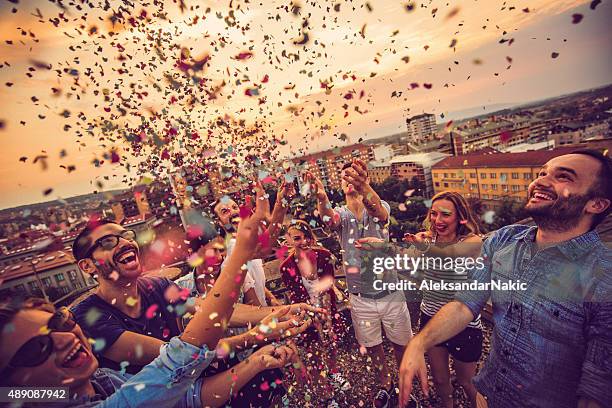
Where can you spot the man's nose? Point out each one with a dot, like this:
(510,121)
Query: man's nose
(62,340)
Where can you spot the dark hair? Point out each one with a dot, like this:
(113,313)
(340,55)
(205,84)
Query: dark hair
(346,166)
(602,183)
(464,213)
(197,241)
(82,242)
(302,226)
(10,307)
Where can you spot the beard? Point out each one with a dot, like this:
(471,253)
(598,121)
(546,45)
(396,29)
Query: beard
(561,215)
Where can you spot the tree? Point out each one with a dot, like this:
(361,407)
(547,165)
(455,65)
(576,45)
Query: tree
(508,213)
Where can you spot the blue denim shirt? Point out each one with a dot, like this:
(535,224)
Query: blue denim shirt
(551,343)
(163,382)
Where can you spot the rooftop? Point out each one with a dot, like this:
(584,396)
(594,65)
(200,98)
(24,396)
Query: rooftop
(524,159)
(339,151)
(421,158)
(46,261)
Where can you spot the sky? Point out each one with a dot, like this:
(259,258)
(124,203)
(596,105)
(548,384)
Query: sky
(266,79)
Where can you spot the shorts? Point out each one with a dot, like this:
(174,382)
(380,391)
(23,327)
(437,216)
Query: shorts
(465,346)
(391,311)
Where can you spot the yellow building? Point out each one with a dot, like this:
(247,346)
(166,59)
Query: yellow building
(492,177)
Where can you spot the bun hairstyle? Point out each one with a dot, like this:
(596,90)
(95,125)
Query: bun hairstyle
(468,223)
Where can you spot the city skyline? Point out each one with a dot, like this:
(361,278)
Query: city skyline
(528,79)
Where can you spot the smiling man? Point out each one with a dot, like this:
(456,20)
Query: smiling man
(42,347)
(127,309)
(552,342)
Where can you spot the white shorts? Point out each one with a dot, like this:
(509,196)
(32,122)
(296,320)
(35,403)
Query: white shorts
(391,311)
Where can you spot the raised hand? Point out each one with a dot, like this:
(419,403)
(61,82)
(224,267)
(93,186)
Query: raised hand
(286,191)
(357,175)
(316,186)
(252,222)
(272,356)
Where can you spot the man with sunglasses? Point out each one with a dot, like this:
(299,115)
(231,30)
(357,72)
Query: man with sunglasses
(129,315)
(43,348)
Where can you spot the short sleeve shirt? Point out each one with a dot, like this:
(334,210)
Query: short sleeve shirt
(359,274)
(105,323)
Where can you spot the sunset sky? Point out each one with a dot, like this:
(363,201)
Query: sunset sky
(353,60)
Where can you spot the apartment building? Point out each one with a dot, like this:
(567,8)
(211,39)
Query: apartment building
(379,171)
(327,165)
(417,165)
(492,177)
(421,127)
(573,133)
(53,274)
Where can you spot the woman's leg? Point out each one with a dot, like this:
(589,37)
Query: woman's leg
(465,373)
(440,371)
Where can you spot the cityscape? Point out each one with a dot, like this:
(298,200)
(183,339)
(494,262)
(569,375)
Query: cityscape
(491,158)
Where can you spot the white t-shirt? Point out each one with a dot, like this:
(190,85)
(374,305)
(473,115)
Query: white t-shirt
(255,277)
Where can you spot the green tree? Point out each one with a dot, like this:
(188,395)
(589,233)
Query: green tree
(508,213)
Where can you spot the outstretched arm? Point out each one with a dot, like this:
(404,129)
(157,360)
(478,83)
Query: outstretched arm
(216,390)
(449,321)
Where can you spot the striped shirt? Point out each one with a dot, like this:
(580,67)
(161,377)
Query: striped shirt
(433,300)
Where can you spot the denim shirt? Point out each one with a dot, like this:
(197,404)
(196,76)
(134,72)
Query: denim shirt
(551,343)
(163,382)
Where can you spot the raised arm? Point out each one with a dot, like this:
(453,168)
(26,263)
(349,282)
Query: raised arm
(285,193)
(469,247)
(213,313)
(357,175)
(326,213)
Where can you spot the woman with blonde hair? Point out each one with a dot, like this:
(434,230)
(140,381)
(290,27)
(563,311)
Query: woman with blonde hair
(451,233)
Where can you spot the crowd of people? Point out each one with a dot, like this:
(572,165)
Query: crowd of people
(218,337)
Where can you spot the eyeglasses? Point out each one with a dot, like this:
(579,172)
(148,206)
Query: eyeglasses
(110,241)
(37,350)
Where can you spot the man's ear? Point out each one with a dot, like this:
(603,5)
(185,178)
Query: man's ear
(87,265)
(597,205)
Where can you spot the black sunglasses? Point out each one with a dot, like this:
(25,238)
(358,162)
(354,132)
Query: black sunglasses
(110,241)
(37,350)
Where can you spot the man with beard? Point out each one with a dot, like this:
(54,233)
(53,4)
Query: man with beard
(227,212)
(552,343)
(130,315)
(41,347)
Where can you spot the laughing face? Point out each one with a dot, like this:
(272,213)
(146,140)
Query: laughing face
(561,194)
(71,363)
(297,239)
(443,220)
(115,251)
(228,213)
